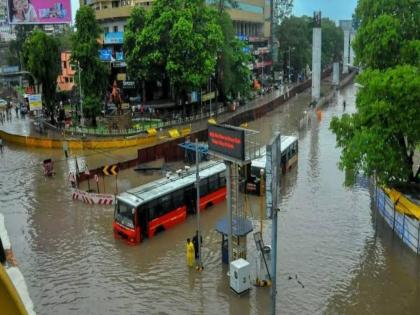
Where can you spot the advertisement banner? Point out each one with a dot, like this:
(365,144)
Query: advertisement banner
(39,11)
(35,102)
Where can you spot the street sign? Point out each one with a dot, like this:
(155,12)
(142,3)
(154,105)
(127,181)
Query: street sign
(110,170)
(35,102)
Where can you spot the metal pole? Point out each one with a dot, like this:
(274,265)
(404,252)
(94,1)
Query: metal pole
(82,120)
(274,260)
(229,209)
(289,62)
(197,182)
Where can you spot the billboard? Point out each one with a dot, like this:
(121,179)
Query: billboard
(35,102)
(273,173)
(39,11)
(227,142)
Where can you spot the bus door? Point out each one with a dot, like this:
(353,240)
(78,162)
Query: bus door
(143,219)
(190,197)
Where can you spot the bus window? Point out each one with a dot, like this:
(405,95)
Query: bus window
(222,179)
(125,214)
(164,205)
(177,199)
(213,183)
(152,210)
(204,190)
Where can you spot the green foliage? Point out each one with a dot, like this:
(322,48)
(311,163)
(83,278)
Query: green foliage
(378,43)
(40,55)
(134,26)
(332,42)
(15,46)
(85,53)
(382,136)
(389,30)
(176,39)
(232,70)
(296,33)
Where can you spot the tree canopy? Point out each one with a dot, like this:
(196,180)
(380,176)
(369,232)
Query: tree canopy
(41,57)
(176,39)
(382,136)
(93,72)
(296,33)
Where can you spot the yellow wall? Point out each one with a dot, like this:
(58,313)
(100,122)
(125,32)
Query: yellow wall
(78,144)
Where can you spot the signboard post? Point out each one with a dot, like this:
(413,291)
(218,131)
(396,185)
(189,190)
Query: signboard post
(273,173)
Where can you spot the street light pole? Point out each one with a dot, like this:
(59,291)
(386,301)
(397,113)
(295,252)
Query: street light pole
(289,62)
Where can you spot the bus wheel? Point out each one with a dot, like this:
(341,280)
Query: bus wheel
(160,229)
(209,205)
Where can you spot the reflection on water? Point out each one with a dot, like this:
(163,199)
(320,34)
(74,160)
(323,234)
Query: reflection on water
(327,239)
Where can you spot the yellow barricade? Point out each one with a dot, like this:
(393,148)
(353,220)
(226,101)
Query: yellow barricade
(151,132)
(174,133)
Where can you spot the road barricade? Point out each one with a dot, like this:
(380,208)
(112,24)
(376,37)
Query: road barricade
(92,198)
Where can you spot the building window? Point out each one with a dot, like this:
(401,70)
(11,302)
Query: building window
(66,79)
(115,28)
(115,4)
(65,64)
(106,29)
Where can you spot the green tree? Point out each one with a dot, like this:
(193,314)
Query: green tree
(180,40)
(15,46)
(381,137)
(134,26)
(294,33)
(233,75)
(332,42)
(41,57)
(93,72)
(389,33)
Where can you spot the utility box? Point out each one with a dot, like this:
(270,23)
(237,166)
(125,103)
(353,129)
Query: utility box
(240,276)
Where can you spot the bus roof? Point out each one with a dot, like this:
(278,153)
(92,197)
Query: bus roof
(163,186)
(286,141)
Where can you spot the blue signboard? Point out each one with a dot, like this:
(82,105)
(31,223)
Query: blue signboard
(105,54)
(113,38)
(242,37)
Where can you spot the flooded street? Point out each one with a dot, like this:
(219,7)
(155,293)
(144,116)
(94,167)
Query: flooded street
(346,262)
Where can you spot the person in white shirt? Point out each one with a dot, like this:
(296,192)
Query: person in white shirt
(23,11)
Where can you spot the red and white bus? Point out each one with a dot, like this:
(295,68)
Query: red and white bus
(143,211)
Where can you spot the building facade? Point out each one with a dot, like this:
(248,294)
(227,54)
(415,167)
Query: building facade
(65,81)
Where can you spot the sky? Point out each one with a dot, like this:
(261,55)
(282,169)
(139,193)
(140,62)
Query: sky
(332,9)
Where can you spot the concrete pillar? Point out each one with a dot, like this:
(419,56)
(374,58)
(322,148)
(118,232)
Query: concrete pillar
(316,63)
(351,57)
(346,52)
(336,73)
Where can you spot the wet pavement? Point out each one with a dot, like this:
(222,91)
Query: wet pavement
(347,262)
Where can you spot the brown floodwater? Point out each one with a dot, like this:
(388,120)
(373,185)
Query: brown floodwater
(345,261)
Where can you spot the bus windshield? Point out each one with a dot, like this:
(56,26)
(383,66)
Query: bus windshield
(124,214)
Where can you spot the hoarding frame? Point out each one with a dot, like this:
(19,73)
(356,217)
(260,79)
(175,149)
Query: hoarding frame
(40,9)
(273,174)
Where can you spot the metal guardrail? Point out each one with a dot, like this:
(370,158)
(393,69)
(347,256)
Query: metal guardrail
(143,129)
